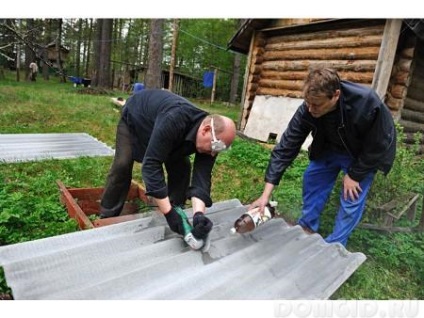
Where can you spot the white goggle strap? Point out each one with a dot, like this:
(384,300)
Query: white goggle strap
(217,145)
(213,131)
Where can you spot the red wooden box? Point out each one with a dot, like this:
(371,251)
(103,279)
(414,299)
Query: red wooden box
(83,202)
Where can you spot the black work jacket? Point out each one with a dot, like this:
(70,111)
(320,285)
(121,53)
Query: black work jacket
(366,129)
(163,126)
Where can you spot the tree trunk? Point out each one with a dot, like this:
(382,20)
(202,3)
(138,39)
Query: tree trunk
(18,56)
(173,55)
(154,65)
(97,49)
(8,51)
(235,77)
(47,39)
(146,48)
(58,51)
(29,54)
(88,45)
(104,78)
(78,50)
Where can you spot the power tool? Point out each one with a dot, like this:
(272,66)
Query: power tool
(189,238)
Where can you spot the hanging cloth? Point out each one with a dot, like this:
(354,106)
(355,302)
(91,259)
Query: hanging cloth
(208,79)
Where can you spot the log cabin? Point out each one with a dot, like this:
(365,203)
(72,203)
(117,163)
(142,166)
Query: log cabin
(385,54)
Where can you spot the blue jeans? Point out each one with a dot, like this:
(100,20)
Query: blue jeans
(318,182)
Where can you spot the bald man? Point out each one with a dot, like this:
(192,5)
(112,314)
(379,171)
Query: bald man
(159,128)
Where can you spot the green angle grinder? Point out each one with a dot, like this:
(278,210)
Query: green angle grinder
(189,238)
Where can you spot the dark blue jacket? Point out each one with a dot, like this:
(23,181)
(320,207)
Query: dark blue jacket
(366,129)
(163,126)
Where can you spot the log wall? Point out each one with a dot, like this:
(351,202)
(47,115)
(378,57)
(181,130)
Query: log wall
(280,62)
(412,111)
(401,74)
(255,59)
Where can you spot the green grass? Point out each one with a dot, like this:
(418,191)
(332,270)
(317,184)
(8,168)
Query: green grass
(29,197)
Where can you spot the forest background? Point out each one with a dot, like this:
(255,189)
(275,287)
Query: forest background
(111,51)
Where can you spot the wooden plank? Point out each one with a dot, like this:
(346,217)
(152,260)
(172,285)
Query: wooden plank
(141,192)
(411,127)
(93,207)
(398,91)
(389,229)
(132,192)
(394,103)
(386,56)
(247,96)
(416,92)
(81,202)
(357,77)
(348,42)
(339,65)
(410,138)
(411,200)
(360,53)
(89,207)
(414,104)
(296,75)
(283,84)
(309,36)
(86,193)
(411,115)
(73,208)
(117,219)
(279,92)
(421,225)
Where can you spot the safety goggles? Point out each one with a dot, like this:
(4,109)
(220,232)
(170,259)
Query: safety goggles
(216,144)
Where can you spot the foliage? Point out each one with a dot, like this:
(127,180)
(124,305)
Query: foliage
(397,181)
(201,46)
(30,208)
(402,178)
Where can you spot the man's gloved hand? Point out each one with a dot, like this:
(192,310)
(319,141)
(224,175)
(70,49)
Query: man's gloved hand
(175,221)
(201,225)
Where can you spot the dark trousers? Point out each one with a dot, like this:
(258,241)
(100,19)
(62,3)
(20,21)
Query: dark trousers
(119,178)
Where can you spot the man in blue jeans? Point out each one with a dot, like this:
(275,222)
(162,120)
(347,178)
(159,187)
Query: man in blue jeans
(353,132)
(161,130)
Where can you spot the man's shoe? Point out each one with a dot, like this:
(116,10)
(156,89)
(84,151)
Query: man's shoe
(307,230)
(106,215)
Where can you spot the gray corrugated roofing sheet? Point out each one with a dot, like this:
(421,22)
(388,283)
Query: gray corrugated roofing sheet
(142,259)
(30,147)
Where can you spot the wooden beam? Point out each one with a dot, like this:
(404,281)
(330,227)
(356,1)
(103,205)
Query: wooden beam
(173,55)
(74,210)
(386,56)
(215,74)
(421,225)
(245,93)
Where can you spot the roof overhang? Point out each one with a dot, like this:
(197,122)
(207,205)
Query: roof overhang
(417,26)
(240,42)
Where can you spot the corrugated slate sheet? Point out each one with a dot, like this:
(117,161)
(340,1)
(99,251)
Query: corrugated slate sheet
(30,147)
(143,259)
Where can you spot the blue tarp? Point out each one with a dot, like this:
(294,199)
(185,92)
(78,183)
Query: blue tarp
(75,80)
(208,79)
(86,82)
